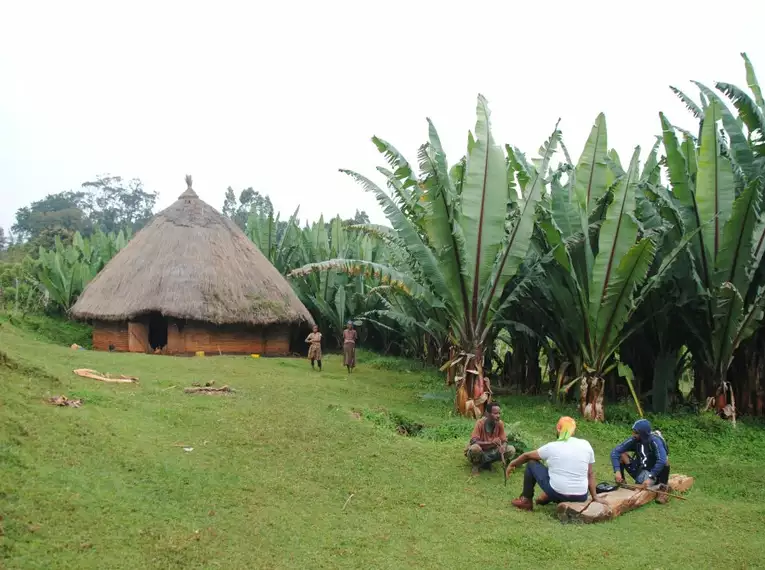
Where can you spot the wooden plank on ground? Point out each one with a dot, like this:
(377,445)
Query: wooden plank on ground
(618,502)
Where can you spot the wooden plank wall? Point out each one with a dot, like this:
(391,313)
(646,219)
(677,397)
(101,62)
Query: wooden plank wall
(106,333)
(138,337)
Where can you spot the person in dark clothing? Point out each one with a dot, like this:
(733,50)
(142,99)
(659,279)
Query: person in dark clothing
(644,456)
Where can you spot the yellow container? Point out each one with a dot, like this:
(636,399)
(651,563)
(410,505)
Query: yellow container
(255,355)
(200,353)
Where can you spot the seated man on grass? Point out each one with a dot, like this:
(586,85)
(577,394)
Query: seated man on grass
(488,441)
(568,475)
(645,457)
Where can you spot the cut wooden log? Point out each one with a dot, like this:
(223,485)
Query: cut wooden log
(618,502)
(680,483)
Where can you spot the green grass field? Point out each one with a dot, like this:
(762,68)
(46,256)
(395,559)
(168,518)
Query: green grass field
(307,470)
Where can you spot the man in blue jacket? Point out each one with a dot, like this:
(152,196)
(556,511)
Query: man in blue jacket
(643,456)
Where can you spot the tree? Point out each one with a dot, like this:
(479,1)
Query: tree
(464,233)
(64,270)
(3,240)
(64,212)
(116,204)
(360,217)
(594,273)
(250,201)
(107,202)
(229,203)
(719,187)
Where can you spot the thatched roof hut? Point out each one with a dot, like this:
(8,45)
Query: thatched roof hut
(190,265)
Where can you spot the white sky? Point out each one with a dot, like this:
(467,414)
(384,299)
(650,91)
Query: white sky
(279,95)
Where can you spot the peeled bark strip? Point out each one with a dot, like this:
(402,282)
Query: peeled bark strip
(591,392)
(619,502)
(121,379)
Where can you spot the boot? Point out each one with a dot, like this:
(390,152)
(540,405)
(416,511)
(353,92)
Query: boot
(543,499)
(523,504)
(663,499)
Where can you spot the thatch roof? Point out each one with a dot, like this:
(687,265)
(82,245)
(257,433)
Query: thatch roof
(191,262)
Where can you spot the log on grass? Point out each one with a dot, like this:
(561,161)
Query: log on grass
(618,502)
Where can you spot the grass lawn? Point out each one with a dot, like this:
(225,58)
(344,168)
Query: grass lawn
(273,467)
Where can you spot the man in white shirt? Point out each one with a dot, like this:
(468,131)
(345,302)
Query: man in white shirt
(568,476)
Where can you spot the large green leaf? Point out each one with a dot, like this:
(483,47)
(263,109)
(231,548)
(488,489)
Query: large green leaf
(565,210)
(439,200)
(750,113)
(680,166)
(484,203)
(689,103)
(337,233)
(734,261)
(727,316)
(402,169)
(715,184)
(419,251)
(617,306)
(651,170)
(739,146)
(617,235)
(516,244)
(592,170)
(397,280)
(340,304)
(751,81)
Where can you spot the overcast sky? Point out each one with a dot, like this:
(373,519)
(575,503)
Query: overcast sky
(279,95)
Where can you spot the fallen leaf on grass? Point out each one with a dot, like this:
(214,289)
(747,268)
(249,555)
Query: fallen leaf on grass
(209,390)
(64,401)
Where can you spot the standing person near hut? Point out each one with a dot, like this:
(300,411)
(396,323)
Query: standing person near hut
(349,347)
(314,347)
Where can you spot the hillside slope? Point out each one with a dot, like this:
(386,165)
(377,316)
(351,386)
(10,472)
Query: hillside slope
(307,470)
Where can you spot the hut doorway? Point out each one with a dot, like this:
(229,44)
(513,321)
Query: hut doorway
(157,331)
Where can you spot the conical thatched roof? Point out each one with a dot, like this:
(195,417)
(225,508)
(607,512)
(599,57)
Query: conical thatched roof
(191,262)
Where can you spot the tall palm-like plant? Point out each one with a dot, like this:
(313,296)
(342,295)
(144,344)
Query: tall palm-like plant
(331,294)
(465,232)
(596,271)
(280,242)
(719,188)
(64,271)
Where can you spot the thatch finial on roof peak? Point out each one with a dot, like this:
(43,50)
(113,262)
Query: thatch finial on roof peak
(189,192)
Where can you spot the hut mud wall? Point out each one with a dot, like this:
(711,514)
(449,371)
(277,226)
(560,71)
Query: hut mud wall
(114,334)
(191,337)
